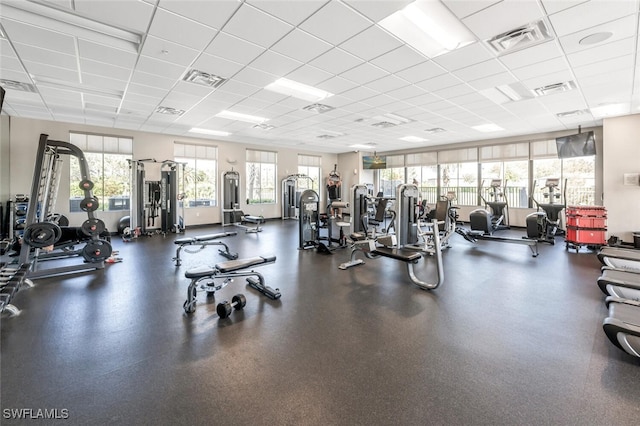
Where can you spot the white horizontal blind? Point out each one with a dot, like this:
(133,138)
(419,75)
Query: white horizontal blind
(395,161)
(255,156)
(100,143)
(421,159)
(511,151)
(309,160)
(464,155)
(544,149)
(202,152)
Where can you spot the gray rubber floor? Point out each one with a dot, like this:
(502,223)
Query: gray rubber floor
(508,339)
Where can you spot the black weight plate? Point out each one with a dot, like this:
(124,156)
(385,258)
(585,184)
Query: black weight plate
(86,184)
(223,309)
(93,226)
(58,219)
(42,234)
(89,204)
(239,300)
(96,251)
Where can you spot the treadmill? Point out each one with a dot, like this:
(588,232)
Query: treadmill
(622,326)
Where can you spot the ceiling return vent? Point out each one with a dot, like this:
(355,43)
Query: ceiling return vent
(555,88)
(169,110)
(17,85)
(570,114)
(520,38)
(389,120)
(318,108)
(204,79)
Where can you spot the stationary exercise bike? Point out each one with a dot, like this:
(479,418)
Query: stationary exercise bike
(545,225)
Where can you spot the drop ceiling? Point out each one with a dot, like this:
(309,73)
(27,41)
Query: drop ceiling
(128,68)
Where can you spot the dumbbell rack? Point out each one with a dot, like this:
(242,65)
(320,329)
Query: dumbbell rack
(39,233)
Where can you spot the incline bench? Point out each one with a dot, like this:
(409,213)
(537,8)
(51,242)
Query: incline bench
(206,276)
(409,257)
(203,241)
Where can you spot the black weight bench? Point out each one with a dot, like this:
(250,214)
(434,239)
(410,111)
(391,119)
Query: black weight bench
(212,279)
(203,241)
(409,257)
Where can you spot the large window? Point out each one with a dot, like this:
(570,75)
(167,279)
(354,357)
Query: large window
(310,165)
(392,176)
(106,158)
(422,171)
(508,163)
(200,173)
(261,177)
(459,175)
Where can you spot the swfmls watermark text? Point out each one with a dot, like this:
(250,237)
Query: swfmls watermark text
(35,413)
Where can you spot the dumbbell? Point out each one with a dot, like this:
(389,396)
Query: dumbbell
(224,309)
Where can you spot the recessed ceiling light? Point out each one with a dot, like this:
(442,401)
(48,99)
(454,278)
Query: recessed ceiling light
(489,127)
(413,139)
(370,145)
(230,115)
(595,38)
(429,27)
(298,90)
(209,132)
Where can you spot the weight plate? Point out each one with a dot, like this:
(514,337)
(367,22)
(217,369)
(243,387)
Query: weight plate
(58,219)
(89,204)
(96,251)
(42,234)
(93,227)
(86,184)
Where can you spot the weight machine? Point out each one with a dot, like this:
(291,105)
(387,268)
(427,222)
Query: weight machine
(157,199)
(291,192)
(40,233)
(230,209)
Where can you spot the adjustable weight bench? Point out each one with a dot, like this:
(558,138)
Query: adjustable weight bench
(203,241)
(212,279)
(409,257)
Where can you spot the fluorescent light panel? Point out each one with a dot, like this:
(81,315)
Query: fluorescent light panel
(489,127)
(298,90)
(230,115)
(611,110)
(209,132)
(429,27)
(413,139)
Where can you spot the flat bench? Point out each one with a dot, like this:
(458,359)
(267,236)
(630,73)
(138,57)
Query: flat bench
(410,257)
(203,241)
(212,279)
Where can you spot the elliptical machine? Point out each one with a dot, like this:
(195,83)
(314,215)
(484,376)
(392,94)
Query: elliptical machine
(495,215)
(545,225)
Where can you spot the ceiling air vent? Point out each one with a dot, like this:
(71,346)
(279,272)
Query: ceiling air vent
(384,124)
(169,110)
(435,130)
(569,114)
(520,38)
(263,126)
(555,88)
(325,136)
(319,108)
(204,79)
(17,85)
(389,120)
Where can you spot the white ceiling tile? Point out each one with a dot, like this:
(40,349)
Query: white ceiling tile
(481,70)
(623,77)
(43,70)
(146,90)
(335,23)
(167,51)
(254,77)
(293,12)
(233,48)
(121,14)
(337,85)
(359,93)
(440,82)
(301,46)
(532,55)
(160,68)
(180,30)
(73,97)
(454,91)
(107,54)
(545,80)
(268,96)
(406,92)
(19,32)
(107,70)
(464,57)
(602,52)
(371,43)
(11,64)
(237,88)
(591,13)
(308,74)
(155,81)
(101,100)
(464,8)
(399,59)
(421,72)
(492,81)
(275,63)
(503,16)
(211,13)
(35,54)
(364,73)
(621,29)
(554,6)
(192,89)
(102,82)
(180,100)
(216,66)
(376,10)
(257,27)
(387,83)
(621,63)
(379,100)
(541,68)
(336,61)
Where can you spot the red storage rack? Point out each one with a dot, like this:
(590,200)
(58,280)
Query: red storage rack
(586,226)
